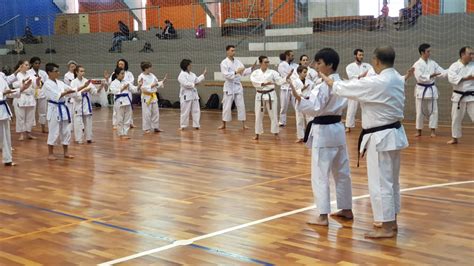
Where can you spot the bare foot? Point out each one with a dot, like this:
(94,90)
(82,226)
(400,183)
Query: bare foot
(132,126)
(90,141)
(322,220)
(21,138)
(346,214)
(51,157)
(348,129)
(114,128)
(452,141)
(31,136)
(68,156)
(157,130)
(299,141)
(10,164)
(418,133)
(125,137)
(277,137)
(433,133)
(380,233)
(379,225)
(146,132)
(245,127)
(43,129)
(256,137)
(181,129)
(221,127)
(196,128)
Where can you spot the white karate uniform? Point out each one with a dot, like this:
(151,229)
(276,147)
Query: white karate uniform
(82,110)
(59,115)
(233,91)
(304,90)
(189,98)
(9,79)
(456,72)
(427,105)
(41,102)
(5,116)
(150,110)
(25,105)
(285,92)
(382,100)
(353,71)
(122,105)
(268,97)
(313,76)
(130,79)
(328,148)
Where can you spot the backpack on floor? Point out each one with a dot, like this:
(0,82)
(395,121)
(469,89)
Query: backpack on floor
(163,103)
(213,102)
(176,104)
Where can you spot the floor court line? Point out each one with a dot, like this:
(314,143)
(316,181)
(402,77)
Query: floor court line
(274,217)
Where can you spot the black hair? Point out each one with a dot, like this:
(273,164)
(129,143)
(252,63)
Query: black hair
(329,57)
(145,65)
(184,64)
(301,68)
(386,55)
(34,59)
(229,46)
(20,62)
(116,72)
(463,50)
(301,57)
(423,47)
(125,63)
(261,58)
(50,67)
(356,51)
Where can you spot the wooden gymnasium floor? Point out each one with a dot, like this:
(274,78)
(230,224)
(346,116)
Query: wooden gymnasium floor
(236,202)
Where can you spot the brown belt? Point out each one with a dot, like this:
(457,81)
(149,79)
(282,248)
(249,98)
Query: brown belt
(269,97)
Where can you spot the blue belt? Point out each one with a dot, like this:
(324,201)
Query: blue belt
(2,102)
(86,95)
(426,87)
(120,95)
(59,104)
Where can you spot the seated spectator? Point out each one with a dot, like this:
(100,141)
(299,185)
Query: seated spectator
(168,32)
(19,48)
(122,35)
(382,19)
(410,14)
(29,38)
(200,32)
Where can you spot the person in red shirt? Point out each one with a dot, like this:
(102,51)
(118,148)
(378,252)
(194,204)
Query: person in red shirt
(382,19)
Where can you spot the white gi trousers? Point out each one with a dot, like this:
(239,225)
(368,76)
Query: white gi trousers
(123,119)
(150,116)
(285,98)
(273,114)
(82,126)
(326,162)
(5,141)
(59,132)
(114,115)
(425,108)
(42,108)
(187,107)
(227,101)
(301,121)
(25,118)
(457,116)
(351,113)
(383,170)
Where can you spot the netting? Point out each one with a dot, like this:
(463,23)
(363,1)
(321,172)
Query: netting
(203,29)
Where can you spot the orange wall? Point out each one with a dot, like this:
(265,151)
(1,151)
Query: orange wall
(240,9)
(107,22)
(470,6)
(431,7)
(182,17)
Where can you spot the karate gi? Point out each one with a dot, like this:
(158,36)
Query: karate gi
(5,117)
(382,100)
(189,98)
(82,113)
(426,92)
(150,110)
(353,71)
(328,148)
(130,79)
(304,90)
(59,115)
(122,105)
(285,92)
(456,72)
(25,105)
(266,97)
(41,102)
(233,91)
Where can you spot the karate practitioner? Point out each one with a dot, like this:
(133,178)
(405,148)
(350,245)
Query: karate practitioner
(382,100)
(426,92)
(150,110)
(68,78)
(188,95)
(59,116)
(264,81)
(312,74)
(461,76)
(233,70)
(303,86)
(82,113)
(286,97)
(355,70)
(5,117)
(41,102)
(25,105)
(325,136)
(122,63)
(122,90)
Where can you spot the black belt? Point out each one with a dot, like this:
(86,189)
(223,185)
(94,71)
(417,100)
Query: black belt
(426,87)
(269,98)
(321,120)
(463,94)
(2,102)
(373,130)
